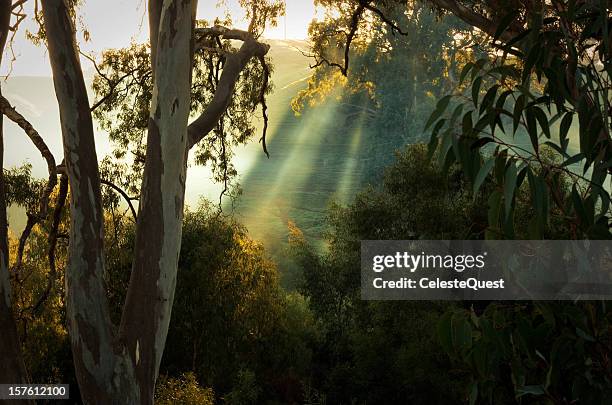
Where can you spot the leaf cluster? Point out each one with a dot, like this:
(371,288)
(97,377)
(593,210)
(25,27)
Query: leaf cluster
(520,117)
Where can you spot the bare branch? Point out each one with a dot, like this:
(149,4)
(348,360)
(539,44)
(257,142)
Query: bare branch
(262,101)
(12,114)
(362,6)
(33,217)
(125,196)
(219,31)
(53,238)
(18,3)
(381,15)
(112,85)
(350,36)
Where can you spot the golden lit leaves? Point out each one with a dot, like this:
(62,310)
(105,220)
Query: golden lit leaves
(321,86)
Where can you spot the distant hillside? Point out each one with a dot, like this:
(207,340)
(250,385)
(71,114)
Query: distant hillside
(314,158)
(35,98)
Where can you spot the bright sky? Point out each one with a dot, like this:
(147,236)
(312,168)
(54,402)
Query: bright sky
(293,26)
(115,23)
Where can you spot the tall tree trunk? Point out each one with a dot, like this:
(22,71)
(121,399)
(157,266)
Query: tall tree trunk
(12,366)
(150,296)
(103,373)
(123,368)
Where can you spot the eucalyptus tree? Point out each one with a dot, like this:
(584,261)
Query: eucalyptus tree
(395,75)
(509,124)
(120,363)
(547,65)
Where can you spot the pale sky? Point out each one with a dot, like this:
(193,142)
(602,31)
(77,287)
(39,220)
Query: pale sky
(111,24)
(115,23)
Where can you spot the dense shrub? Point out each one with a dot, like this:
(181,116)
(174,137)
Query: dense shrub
(183,390)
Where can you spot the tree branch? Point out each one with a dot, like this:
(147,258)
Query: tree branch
(383,17)
(112,85)
(12,114)
(125,196)
(264,104)
(53,237)
(33,217)
(234,65)
(18,3)
(473,18)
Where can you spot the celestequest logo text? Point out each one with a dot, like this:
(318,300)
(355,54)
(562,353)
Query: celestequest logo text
(404,261)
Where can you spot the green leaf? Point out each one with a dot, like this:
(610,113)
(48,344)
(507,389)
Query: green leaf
(501,101)
(476,90)
(566,124)
(480,142)
(445,147)
(523,169)
(557,148)
(440,108)
(539,200)
(583,335)
(487,101)
(532,58)
(467,124)
(593,132)
(579,207)
(478,65)
(464,72)
(432,146)
(573,160)
(519,105)
(474,393)
(500,166)
(505,71)
(487,119)
(542,120)
(548,377)
(509,187)
(499,123)
(532,128)
(438,127)
(531,390)
(456,113)
(482,175)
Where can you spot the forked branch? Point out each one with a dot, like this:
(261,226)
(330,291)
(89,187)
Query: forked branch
(33,217)
(234,65)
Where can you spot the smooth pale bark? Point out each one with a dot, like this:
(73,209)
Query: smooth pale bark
(150,296)
(12,367)
(103,373)
(124,368)
(155,10)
